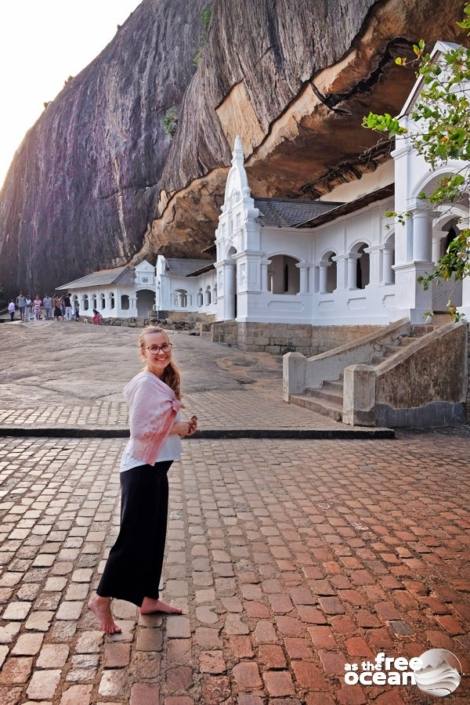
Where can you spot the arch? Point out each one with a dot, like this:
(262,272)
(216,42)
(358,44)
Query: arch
(208,293)
(230,252)
(214,293)
(360,277)
(181,298)
(102,300)
(200,298)
(112,302)
(283,274)
(94,301)
(124,302)
(145,302)
(388,260)
(444,291)
(430,180)
(328,272)
(86,303)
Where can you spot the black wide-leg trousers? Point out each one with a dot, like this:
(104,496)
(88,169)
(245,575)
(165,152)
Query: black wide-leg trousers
(134,565)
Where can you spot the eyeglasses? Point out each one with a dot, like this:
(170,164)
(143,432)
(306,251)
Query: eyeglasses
(165,348)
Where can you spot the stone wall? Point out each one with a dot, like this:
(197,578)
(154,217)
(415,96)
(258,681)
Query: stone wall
(184,316)
(280,338)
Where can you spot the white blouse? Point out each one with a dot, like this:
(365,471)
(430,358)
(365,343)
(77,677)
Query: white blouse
(170,450)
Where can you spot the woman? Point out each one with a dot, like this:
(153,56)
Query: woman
(37,303)
(97,318)
(134,566)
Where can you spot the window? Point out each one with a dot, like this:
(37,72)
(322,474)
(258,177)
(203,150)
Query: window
(283,275)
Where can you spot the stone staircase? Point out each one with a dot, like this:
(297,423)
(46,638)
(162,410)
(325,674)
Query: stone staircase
(328,399)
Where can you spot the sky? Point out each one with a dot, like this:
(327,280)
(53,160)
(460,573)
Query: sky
(42,43)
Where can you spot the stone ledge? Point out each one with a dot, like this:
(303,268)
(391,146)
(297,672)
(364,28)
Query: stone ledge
(216,433)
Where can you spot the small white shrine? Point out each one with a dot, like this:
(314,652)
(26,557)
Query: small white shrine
(185,285)
(122,292)
(336,261)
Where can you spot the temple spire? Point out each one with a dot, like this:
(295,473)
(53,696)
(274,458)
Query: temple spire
(237,156)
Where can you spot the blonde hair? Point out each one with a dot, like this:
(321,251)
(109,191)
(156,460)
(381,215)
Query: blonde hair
(171,375)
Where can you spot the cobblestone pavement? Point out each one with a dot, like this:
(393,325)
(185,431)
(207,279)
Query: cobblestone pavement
(68,374)
(288,557)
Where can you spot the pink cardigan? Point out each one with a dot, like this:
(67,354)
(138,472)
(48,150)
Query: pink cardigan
(152,410)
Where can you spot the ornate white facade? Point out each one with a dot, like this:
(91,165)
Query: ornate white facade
(185,285)
(123,292)
(336,261)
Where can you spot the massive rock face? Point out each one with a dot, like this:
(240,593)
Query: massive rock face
(97,178)
(80,192)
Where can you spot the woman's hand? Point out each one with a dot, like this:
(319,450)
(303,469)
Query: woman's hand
(192,425)
(185,428)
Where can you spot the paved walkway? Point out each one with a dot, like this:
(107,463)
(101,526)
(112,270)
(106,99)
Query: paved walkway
(66,374)
(289,558)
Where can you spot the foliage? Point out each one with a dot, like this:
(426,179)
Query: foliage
(206,17)
(170,121)
(440,133)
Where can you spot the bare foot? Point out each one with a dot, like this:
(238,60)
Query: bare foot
(101,607)
(150,605)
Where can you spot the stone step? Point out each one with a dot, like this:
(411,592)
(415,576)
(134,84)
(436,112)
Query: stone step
(332,396)
(406,341)
(336,384)
(317,405)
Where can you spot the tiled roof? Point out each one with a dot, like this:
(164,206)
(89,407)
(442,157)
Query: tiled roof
(284,213)
(122,275)
(180,266)
(350,207)
(202,270)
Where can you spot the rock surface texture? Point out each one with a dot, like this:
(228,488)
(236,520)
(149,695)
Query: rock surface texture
(97,180)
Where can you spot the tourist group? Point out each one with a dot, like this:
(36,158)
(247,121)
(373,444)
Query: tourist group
(59,308)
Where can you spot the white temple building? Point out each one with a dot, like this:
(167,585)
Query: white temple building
(337,261)
(122,292)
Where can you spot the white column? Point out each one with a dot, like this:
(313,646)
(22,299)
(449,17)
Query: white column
(436,249)
(375,255)
(422,235)
(387,263)
(264,274)
(464,224)
(323,274)
(302,267)
(352,271)
(341,271)
(229,290)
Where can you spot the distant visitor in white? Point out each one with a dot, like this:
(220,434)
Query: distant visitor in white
(134,566)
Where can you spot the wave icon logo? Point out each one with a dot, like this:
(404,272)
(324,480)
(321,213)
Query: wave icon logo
(438,672)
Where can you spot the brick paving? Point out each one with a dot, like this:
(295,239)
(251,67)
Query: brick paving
(70,375)
(288,557)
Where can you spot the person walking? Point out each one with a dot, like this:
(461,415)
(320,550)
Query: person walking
(21,303)
(47,303)
(37,303)
(28,308)
(58,309)
(68,307)
(76,309)
(11,310)
(133,569)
